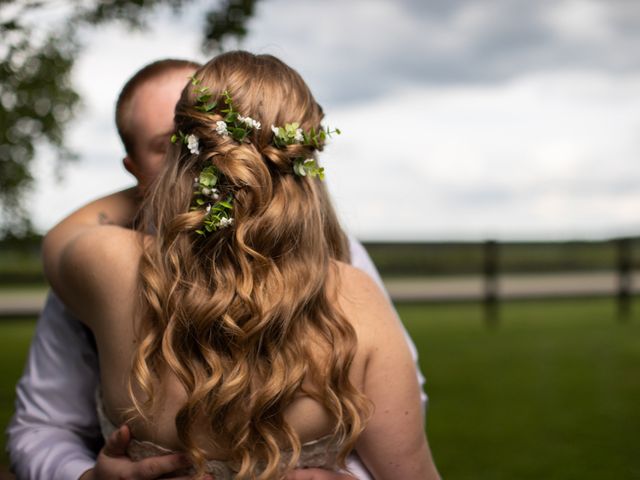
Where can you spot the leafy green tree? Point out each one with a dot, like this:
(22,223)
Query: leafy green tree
(37,97)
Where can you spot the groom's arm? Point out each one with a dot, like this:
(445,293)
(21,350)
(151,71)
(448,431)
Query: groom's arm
(54,433)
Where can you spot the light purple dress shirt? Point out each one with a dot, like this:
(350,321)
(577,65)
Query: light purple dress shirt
(54,433)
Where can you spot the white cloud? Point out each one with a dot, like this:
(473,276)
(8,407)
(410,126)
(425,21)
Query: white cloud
(580,20)
(545,155)
(459,121)
(112,55)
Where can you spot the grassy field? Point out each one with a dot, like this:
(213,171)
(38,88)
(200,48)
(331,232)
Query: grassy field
(551,393)
(15,336)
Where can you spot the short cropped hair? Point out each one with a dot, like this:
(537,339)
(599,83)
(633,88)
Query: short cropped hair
(149,72)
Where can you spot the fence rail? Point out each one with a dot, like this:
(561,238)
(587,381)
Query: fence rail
(488,271)
(494,271)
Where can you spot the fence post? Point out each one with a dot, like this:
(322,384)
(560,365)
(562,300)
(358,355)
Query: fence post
(490,273)
(624,278)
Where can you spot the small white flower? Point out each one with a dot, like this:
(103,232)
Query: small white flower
(221,128)
(225,222)
(208,208)
(299,137)
(249,122)
(211,192)
(275,130)
(193,144)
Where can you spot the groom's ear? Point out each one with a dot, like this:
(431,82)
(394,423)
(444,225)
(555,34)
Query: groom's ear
(130,166)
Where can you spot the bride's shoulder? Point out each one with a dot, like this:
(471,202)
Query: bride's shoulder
(96,263)
(360,297)
(106,243)
(353,279)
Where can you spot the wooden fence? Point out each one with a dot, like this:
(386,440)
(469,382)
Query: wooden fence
(489,271)
(526,269)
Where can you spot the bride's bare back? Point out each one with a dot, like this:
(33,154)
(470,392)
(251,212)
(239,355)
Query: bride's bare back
(115,322)
(109,306)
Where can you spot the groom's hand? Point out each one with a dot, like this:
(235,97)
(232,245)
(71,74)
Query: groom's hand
(318,474)
(113,464)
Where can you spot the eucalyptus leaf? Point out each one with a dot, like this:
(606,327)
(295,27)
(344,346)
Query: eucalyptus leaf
(210,106)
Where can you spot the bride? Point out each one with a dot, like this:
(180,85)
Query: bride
(229,324)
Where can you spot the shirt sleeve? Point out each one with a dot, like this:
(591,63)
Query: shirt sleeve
(361,260)
(54,433)
(356,467)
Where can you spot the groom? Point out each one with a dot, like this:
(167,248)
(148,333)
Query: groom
(54,433)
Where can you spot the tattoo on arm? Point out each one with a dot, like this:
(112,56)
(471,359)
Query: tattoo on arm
(103,219)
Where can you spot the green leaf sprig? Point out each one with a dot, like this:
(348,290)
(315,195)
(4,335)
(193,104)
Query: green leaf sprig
(308,167)
(204,97)
(238,126)
(207,195)
(292,134)
(235,124)
(218,216)
(179,136)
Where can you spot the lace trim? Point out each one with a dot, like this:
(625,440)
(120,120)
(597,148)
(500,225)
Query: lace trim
(319,453)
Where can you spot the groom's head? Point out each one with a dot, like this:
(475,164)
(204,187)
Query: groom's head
(144,115)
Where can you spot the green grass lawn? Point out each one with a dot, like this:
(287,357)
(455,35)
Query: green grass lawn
(551,393)
(15,336)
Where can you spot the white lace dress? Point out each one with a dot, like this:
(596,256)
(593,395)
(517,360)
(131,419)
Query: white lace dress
(320,453)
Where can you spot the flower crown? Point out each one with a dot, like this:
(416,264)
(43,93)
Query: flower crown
(238,127)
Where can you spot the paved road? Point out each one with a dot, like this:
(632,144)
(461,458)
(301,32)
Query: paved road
(511,286)
(21,302)
(16,302)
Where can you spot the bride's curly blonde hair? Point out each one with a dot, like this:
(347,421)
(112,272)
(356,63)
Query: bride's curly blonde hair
(244,317)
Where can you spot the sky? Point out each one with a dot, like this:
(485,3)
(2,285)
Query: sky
(461,120)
